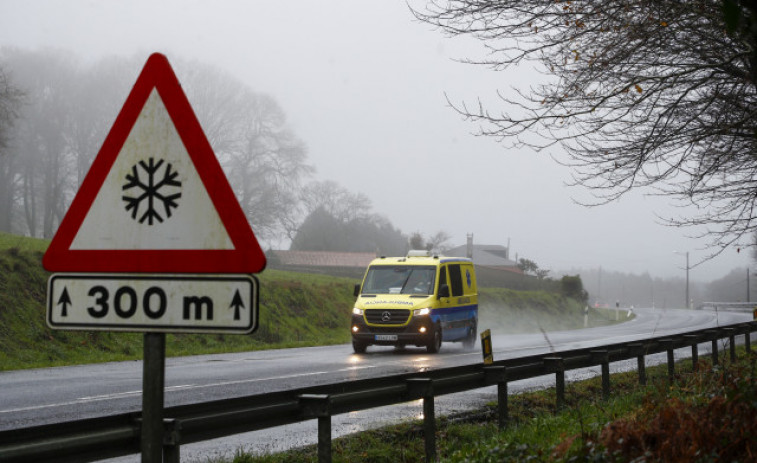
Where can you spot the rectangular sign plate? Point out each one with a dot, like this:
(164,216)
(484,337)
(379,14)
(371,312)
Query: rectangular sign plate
(153,303)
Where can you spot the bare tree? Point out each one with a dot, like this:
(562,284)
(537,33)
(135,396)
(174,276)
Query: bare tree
(322,231)
(335,219)
(69,109)
(437,242)
(528,266)
(339,202)
(96,100)
(40,143)
(639,93)
(10,101)
(264,161)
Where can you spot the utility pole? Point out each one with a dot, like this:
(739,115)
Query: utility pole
(599,284)
(687,280)
(687,277)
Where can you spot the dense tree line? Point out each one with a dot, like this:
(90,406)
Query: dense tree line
(67,109)
(56,111)
(10,98)
(642,290)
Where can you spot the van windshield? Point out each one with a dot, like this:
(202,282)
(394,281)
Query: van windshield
(401,279)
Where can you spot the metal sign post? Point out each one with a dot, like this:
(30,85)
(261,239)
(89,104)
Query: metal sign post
(153,386)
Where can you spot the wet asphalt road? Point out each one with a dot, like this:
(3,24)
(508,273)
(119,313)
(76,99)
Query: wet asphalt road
(41,396)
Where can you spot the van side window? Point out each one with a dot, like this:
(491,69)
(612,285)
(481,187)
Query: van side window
(455,280)
(442,277)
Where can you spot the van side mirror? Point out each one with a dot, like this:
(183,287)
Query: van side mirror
(357,290)
(443,291)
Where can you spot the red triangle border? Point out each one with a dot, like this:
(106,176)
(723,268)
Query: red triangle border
(246,257)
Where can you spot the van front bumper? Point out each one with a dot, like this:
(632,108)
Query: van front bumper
(419,331)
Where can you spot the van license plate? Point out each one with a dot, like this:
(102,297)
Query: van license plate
(386,337)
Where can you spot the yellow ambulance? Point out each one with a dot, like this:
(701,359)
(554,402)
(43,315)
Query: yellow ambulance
(420,299)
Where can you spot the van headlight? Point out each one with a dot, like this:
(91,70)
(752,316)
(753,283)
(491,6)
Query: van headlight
(356,311)
(423,311)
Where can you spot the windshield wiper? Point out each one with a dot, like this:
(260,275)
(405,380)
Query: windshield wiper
(402,289)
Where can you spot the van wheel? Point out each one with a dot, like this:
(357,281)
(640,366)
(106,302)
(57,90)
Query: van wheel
(359,347)
(435,343)
(470,339)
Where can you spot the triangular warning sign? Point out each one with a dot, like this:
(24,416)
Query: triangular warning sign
(155,199)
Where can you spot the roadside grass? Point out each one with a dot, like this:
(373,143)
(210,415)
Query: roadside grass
(22,243)
(706,415)
(295,310)
(508,311)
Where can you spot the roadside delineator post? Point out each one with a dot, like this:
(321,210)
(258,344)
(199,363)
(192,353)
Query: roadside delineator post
(486,347)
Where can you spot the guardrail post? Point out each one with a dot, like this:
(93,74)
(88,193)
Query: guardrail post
(713,334)
(668,345)
(319,406)
(748,340)
(731,332)
(557,365)
(603,356)
(423,388)
(153,387)
(694,340)
(639,350)
(498,374)
(171,440)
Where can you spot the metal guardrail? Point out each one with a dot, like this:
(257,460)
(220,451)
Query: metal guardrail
(749,307)
(100,438)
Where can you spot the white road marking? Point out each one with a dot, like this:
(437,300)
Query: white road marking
(121,395)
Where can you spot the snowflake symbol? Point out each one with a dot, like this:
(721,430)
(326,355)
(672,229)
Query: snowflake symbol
(151,190)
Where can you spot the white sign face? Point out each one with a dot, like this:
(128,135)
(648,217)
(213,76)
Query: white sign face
(157,303)
(153,197)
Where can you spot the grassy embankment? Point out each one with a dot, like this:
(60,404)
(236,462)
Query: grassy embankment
(708,415)
(295,310)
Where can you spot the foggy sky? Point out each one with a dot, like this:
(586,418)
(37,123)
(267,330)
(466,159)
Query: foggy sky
(363,85)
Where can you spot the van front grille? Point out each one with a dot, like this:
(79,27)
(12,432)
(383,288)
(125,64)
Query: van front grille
(387,316)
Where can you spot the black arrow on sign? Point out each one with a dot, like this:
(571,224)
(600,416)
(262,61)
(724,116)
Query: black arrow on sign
(65,300)
(237,304)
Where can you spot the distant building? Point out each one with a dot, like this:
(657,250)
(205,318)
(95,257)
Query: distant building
(492,256)
(350,264)
(493,265)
